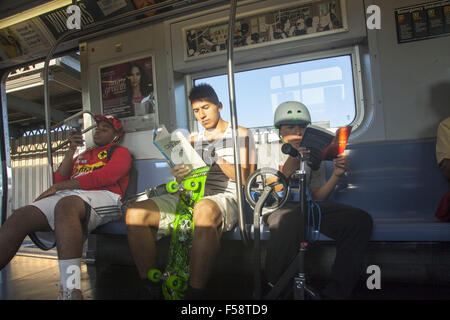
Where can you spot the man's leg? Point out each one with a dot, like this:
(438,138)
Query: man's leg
(285,225)
(70,214)
(206,242)
(23,221)
(351,228)
(141,238)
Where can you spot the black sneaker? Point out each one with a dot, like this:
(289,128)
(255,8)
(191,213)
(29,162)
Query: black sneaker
(150,290)
(194,294)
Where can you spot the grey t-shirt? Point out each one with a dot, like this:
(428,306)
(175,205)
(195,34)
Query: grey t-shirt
(270,155)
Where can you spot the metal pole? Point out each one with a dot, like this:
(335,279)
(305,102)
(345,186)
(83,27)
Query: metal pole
(234,126)
(47,105)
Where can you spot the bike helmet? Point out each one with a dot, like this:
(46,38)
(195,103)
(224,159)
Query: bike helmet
(291,112)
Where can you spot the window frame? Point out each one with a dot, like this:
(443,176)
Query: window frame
(353,52)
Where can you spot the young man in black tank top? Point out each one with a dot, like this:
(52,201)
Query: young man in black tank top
(215,213)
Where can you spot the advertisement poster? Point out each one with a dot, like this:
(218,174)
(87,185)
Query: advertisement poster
(405,26)
(424,21)
(281,24)
(420,23)
(91,11)
(24,38)
(447,18)
(436,20)
(128,92)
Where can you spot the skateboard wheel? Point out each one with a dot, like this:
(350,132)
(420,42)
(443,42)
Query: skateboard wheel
(172,187)
(191,185)
(154,275)
(173,282)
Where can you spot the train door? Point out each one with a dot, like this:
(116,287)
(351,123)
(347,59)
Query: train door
(25,163)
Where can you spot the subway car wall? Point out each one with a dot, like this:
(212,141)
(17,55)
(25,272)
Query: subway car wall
(404,86)
(401,94)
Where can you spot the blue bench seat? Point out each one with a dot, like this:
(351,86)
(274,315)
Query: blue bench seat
(398,183)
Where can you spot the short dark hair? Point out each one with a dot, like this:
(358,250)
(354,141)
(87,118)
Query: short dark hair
(203,92)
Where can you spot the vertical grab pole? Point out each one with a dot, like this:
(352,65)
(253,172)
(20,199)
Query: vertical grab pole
(234,126)
(47,105)
(48,118)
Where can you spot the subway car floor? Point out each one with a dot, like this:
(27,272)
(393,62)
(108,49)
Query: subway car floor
(33,274)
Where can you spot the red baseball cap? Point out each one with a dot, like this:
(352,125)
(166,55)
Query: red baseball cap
(112,120)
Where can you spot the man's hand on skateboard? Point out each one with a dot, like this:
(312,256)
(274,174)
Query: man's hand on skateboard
(180,171)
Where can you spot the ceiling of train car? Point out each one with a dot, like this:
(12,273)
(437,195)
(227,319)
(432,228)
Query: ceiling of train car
(25,86)
(25,90)
(9,8)
(25,94)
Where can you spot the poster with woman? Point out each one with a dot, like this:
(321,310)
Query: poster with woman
(128,92)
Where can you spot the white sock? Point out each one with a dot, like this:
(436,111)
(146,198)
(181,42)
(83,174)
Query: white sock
(70,273)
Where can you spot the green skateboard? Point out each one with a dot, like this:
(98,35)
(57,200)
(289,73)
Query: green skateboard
(176,276)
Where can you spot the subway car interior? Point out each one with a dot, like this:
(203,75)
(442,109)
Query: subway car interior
(379,68)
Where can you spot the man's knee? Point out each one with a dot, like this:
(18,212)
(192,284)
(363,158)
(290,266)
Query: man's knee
(145,213)
(21,213)
(207,214)
(289,218)
(363,222)
(68,207)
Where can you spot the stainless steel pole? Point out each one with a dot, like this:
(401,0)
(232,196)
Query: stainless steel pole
(47,104)
(234,125)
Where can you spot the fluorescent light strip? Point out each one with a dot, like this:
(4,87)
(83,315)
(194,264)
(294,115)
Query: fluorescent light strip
(33,12)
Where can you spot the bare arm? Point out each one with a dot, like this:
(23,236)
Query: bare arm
(63,185)
(340,165)
(65,168)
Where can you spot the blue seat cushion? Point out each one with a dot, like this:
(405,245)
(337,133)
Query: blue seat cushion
(397,182)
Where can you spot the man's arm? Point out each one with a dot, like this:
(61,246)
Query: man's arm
(63,185)
(340,165)
(65,168)
(290,166)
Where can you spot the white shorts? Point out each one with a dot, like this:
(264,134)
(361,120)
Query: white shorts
(105,207)
(167,204)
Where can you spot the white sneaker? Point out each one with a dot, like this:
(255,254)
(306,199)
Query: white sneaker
(68,294)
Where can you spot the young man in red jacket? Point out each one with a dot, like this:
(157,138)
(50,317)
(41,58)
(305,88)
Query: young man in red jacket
(86,194)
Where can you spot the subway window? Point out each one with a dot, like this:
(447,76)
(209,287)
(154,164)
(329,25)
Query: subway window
(325,86)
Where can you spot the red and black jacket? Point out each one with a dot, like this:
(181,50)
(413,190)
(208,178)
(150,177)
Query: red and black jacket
(96,169)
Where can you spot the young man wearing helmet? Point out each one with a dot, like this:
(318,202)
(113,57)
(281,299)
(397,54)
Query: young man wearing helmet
(86,194)
(349,226)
